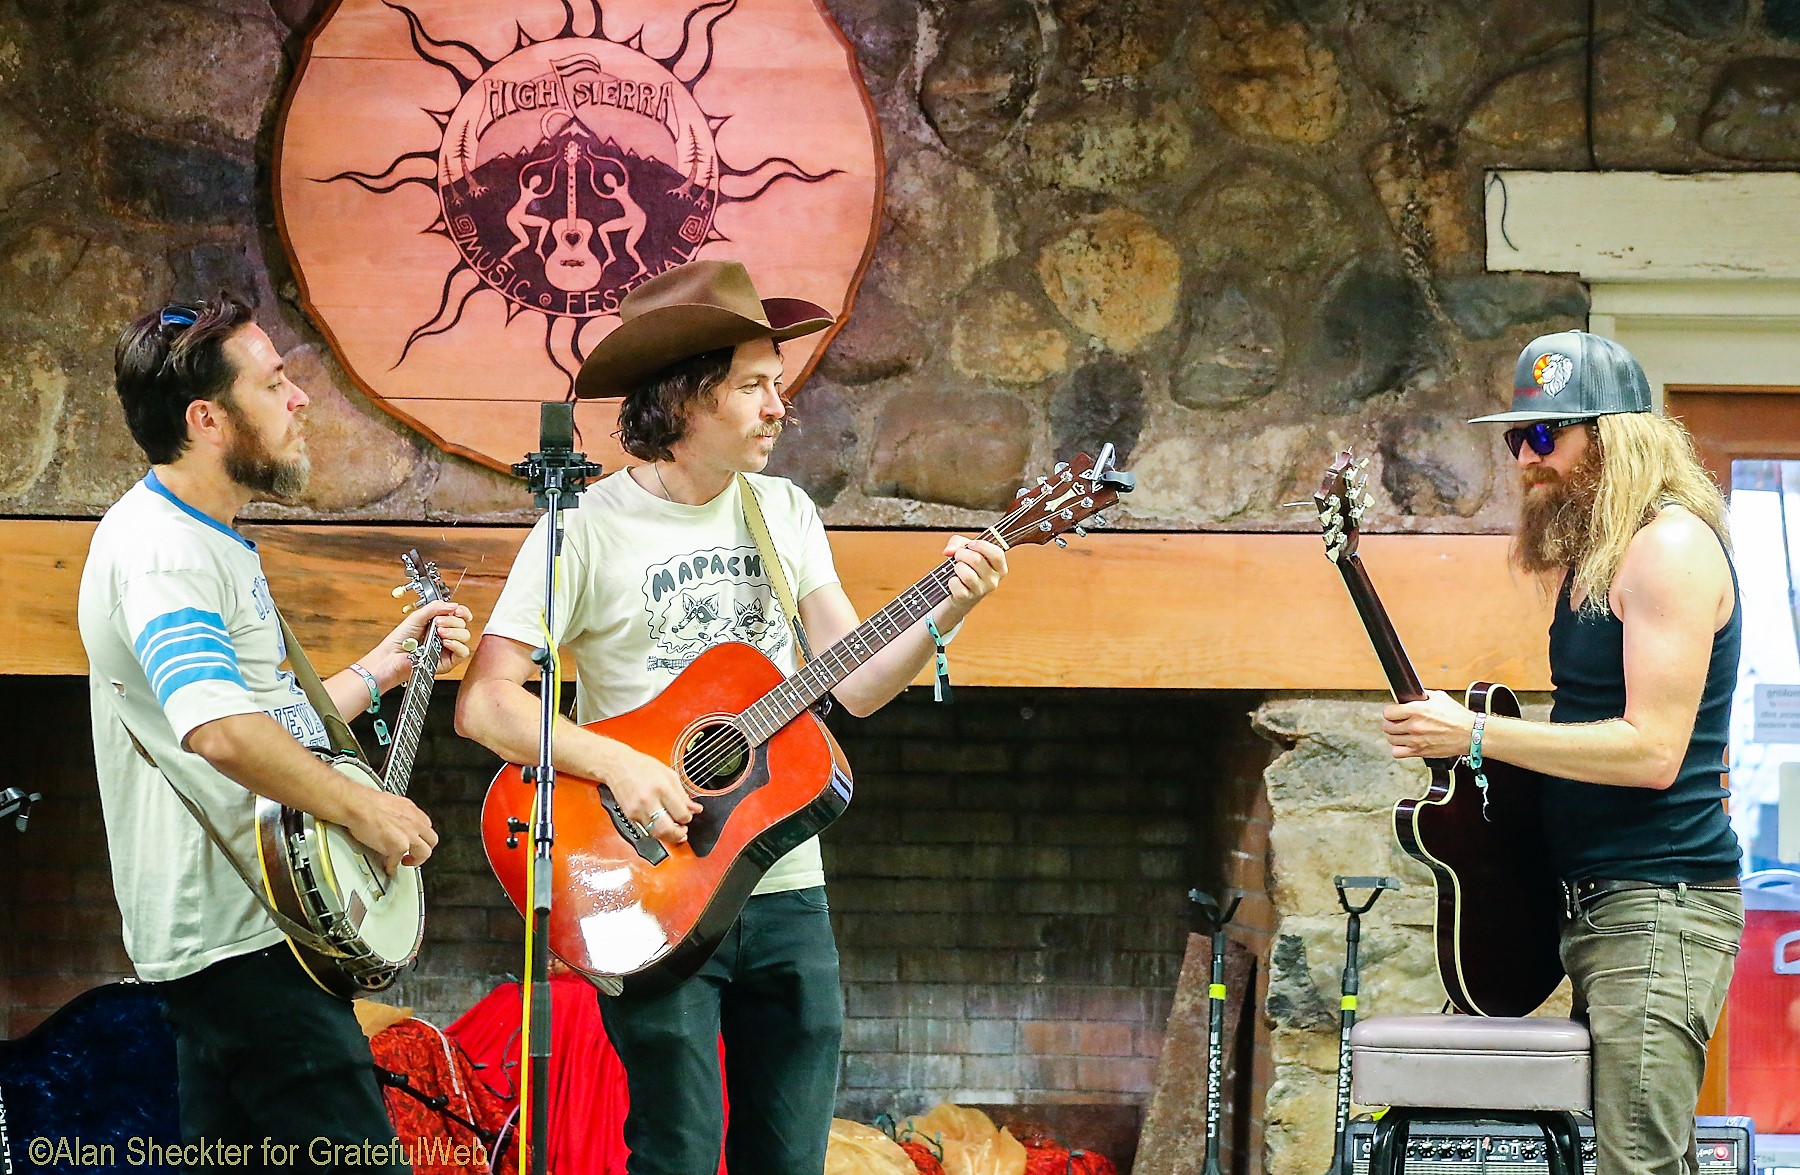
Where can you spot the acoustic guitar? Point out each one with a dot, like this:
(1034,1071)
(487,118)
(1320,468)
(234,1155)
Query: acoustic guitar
(321,877)
(1497,899)
(748,744)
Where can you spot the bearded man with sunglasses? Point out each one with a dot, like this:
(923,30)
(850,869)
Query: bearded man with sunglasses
(192,714)
(1623,522)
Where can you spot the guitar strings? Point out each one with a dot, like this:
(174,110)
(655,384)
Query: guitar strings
(706,760)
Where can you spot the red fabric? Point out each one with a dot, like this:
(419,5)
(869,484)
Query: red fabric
(588,1097)
(435,1066)
(1046,1156)
(923,1157)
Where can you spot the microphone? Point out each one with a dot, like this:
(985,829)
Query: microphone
(556,427)
(556,463)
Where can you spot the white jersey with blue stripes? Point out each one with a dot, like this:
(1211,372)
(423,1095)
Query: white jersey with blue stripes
(180,630)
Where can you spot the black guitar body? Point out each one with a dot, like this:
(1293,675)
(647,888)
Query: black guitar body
(1497,899)
(101,1071)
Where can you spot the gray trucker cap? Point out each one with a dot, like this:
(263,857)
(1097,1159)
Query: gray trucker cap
(1574,374)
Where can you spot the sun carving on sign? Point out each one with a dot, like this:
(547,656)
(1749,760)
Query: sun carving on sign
(572,169)
(468,191)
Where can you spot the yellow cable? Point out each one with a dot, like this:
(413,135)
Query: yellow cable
(525,1090)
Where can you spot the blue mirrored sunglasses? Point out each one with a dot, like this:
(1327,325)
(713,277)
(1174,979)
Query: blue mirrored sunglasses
(1541,436)
(177,316)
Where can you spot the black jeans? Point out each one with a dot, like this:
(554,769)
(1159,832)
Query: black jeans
(772,991)
(269,1061)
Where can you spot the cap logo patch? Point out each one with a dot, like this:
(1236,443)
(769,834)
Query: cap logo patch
(1552,372)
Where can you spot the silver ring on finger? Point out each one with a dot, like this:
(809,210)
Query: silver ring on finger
(655,816)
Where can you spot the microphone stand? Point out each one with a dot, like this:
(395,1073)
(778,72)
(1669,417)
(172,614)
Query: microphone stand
(555,474)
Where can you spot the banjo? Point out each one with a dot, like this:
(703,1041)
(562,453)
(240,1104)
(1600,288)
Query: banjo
(363,926)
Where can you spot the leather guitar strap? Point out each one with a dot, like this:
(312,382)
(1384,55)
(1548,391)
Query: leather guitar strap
(337,731)
(765,546)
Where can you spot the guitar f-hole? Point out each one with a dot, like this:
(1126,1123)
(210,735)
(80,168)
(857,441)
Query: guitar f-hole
(714,756)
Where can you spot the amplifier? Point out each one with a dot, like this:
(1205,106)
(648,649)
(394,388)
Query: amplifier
(1497,1148)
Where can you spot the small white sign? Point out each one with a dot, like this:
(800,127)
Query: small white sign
(1776,711)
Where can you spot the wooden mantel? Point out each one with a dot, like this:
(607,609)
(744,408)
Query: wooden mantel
(1190,611)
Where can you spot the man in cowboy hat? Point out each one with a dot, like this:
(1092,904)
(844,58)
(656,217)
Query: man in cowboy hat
(661,565)
(1628,528)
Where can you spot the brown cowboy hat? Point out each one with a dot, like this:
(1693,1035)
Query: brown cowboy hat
(691,309)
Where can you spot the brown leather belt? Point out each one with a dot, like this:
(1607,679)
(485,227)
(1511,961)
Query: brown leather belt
(1575,893)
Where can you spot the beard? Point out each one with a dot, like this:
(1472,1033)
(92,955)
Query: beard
(1556,517)
(249,463)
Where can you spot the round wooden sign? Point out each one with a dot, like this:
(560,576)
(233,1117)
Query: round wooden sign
(467,188)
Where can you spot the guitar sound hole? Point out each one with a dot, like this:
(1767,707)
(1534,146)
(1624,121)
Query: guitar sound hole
(715,757)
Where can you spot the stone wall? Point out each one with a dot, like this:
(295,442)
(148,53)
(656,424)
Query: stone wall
(1228,237)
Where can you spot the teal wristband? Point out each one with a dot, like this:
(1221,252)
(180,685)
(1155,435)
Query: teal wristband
(1481,779)
(374,686)
(940,688)
(381,728)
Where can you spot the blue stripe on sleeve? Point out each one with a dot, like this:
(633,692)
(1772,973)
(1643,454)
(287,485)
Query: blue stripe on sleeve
(197,673)
(185,646)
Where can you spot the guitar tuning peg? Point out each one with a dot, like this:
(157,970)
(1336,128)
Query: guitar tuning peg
(1024,492)
(407,608)
(1062,466)
(398,592)
(1082,531)
(1060,541)
(409,645)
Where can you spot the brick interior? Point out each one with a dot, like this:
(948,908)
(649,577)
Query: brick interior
(1009,886)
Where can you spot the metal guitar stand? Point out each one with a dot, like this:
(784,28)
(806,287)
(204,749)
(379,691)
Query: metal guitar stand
(1341,1157)
(1215,921)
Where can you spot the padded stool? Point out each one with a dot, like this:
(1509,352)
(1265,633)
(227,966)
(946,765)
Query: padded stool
(1469,1069)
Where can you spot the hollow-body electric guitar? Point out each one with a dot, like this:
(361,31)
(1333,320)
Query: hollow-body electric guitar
(747,743)
(318,875)
(1477,831)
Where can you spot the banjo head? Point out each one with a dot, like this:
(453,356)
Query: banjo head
(386,913)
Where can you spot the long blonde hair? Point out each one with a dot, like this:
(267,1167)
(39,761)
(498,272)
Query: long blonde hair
(1646,461)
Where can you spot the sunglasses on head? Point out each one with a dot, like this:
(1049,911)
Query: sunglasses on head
(177,316)
(1541,436)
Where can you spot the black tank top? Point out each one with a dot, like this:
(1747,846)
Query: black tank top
(1636,833)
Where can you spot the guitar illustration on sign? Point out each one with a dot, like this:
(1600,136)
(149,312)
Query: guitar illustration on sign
(572,265)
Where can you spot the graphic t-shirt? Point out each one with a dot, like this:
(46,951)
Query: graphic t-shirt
(180,630)
(649,584)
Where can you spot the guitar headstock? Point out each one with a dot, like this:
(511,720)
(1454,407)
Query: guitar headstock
(1343,496)
(422,579)
(1075,493)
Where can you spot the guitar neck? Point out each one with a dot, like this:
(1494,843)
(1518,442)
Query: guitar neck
(1403,680)
(410,726)
(793,696)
